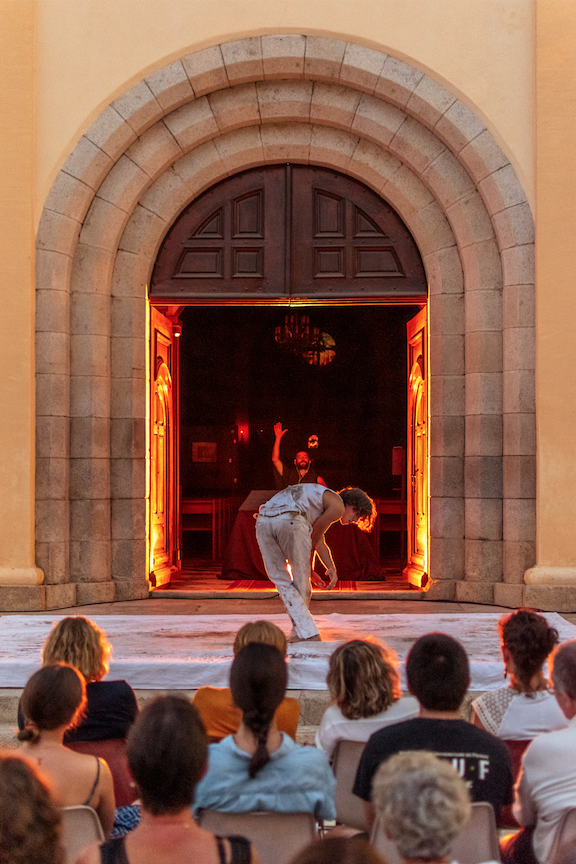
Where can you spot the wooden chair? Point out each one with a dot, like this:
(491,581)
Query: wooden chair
(349,808)
(565,834)
(80,827)
(277,837)
(203,514)
(477,843)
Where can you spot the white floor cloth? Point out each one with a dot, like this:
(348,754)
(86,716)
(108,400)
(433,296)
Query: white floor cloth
(188,651)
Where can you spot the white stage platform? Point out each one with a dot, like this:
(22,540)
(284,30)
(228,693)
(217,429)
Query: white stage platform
(164,652)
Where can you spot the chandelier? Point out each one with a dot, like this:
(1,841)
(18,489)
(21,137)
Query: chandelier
(296,335)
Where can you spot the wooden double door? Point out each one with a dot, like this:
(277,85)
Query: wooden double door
(271,236)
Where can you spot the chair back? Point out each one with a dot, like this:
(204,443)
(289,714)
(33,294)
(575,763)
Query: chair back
(477,842)
(565,834)
(349,808)
(80,827)
(113,751)
(277,837)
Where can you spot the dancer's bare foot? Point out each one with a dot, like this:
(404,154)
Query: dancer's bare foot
(296,638)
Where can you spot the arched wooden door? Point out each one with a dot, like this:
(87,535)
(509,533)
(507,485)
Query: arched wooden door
(417,568)
(283,233)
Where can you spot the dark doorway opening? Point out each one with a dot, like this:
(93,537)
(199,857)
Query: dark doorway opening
(236,381)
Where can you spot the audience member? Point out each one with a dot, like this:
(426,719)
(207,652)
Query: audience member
(112,706)
(365,689)
(339,850)
(260,768)
(220,715)
(547,783)
(438,676)
(52,702)
(29,820)
(422,803)
(525,708)
(167,749)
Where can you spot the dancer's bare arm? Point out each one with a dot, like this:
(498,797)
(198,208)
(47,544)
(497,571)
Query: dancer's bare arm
(278,435)
(325,556)
(333,510)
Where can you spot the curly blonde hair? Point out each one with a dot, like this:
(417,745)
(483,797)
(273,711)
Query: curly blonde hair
(29,821)
(422,802)
(81,643)
(363,679)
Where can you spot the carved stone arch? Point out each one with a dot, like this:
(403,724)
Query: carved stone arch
(205,117)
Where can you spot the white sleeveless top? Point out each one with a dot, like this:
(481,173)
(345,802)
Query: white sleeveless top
(519,716)
(305,498)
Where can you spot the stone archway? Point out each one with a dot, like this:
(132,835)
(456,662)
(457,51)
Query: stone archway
(222,110)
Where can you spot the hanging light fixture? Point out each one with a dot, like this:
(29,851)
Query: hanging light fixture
(296,335)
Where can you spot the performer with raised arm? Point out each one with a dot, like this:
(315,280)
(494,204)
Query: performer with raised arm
(290,527)
(286,475)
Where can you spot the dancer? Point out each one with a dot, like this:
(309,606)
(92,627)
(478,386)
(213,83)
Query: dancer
(290,527)
(286,475)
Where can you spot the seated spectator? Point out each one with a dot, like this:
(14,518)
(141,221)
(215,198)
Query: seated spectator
(438,676)
(339,850)
(423,805)
(547,783)
(111,707)
(525,708)
(53,701)
(220,715)
(365,688)
(260,768)
(29,820)
(167,750)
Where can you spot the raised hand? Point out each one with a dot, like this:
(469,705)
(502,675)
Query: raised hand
(279,432)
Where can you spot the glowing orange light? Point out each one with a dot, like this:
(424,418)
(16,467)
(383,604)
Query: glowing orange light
(289,568)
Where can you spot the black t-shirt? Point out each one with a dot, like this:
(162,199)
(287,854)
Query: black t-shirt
(110,712)
(479,757)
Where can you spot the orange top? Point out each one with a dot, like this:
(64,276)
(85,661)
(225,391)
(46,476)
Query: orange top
(221,717)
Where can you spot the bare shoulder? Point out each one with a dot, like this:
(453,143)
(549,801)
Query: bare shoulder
(90,855)
(333,502)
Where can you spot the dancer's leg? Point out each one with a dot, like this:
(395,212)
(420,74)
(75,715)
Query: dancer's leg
(278,538)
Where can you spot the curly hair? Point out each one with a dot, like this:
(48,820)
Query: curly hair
(529,639)
(81,643)
(258,683)
(54,696)
(423,803)
(363,506)
(260,631)
(363,679)
(29,821)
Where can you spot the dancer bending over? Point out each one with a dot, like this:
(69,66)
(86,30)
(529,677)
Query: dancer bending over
(290,527)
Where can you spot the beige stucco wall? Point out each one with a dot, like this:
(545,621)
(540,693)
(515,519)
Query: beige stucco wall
(89,51)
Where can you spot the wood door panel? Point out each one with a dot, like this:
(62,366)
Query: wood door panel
(288,230)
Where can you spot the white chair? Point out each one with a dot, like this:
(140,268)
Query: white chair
(477,842)
(349,808)
(277,837)
(80,827)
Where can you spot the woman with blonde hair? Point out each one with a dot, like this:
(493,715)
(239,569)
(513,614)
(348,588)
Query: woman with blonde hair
(365,688)
(221,717)
(53,701)
(29,820)
(111,707)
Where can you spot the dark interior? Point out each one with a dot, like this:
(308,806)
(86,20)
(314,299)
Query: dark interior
(236,382)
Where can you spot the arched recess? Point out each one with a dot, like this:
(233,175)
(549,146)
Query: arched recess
(202,118)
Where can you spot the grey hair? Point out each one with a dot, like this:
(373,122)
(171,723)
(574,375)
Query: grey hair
(564,668)
(423,803)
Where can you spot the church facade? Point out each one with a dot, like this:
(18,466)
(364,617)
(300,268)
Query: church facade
(118,116)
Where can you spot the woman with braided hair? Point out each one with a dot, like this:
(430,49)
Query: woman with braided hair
(260,768)
(527,707)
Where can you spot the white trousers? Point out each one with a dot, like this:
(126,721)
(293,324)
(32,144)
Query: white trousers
(287,538)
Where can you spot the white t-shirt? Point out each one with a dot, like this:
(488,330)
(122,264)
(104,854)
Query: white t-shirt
(335,727)
(547,785)
(517,716)
(305,498)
